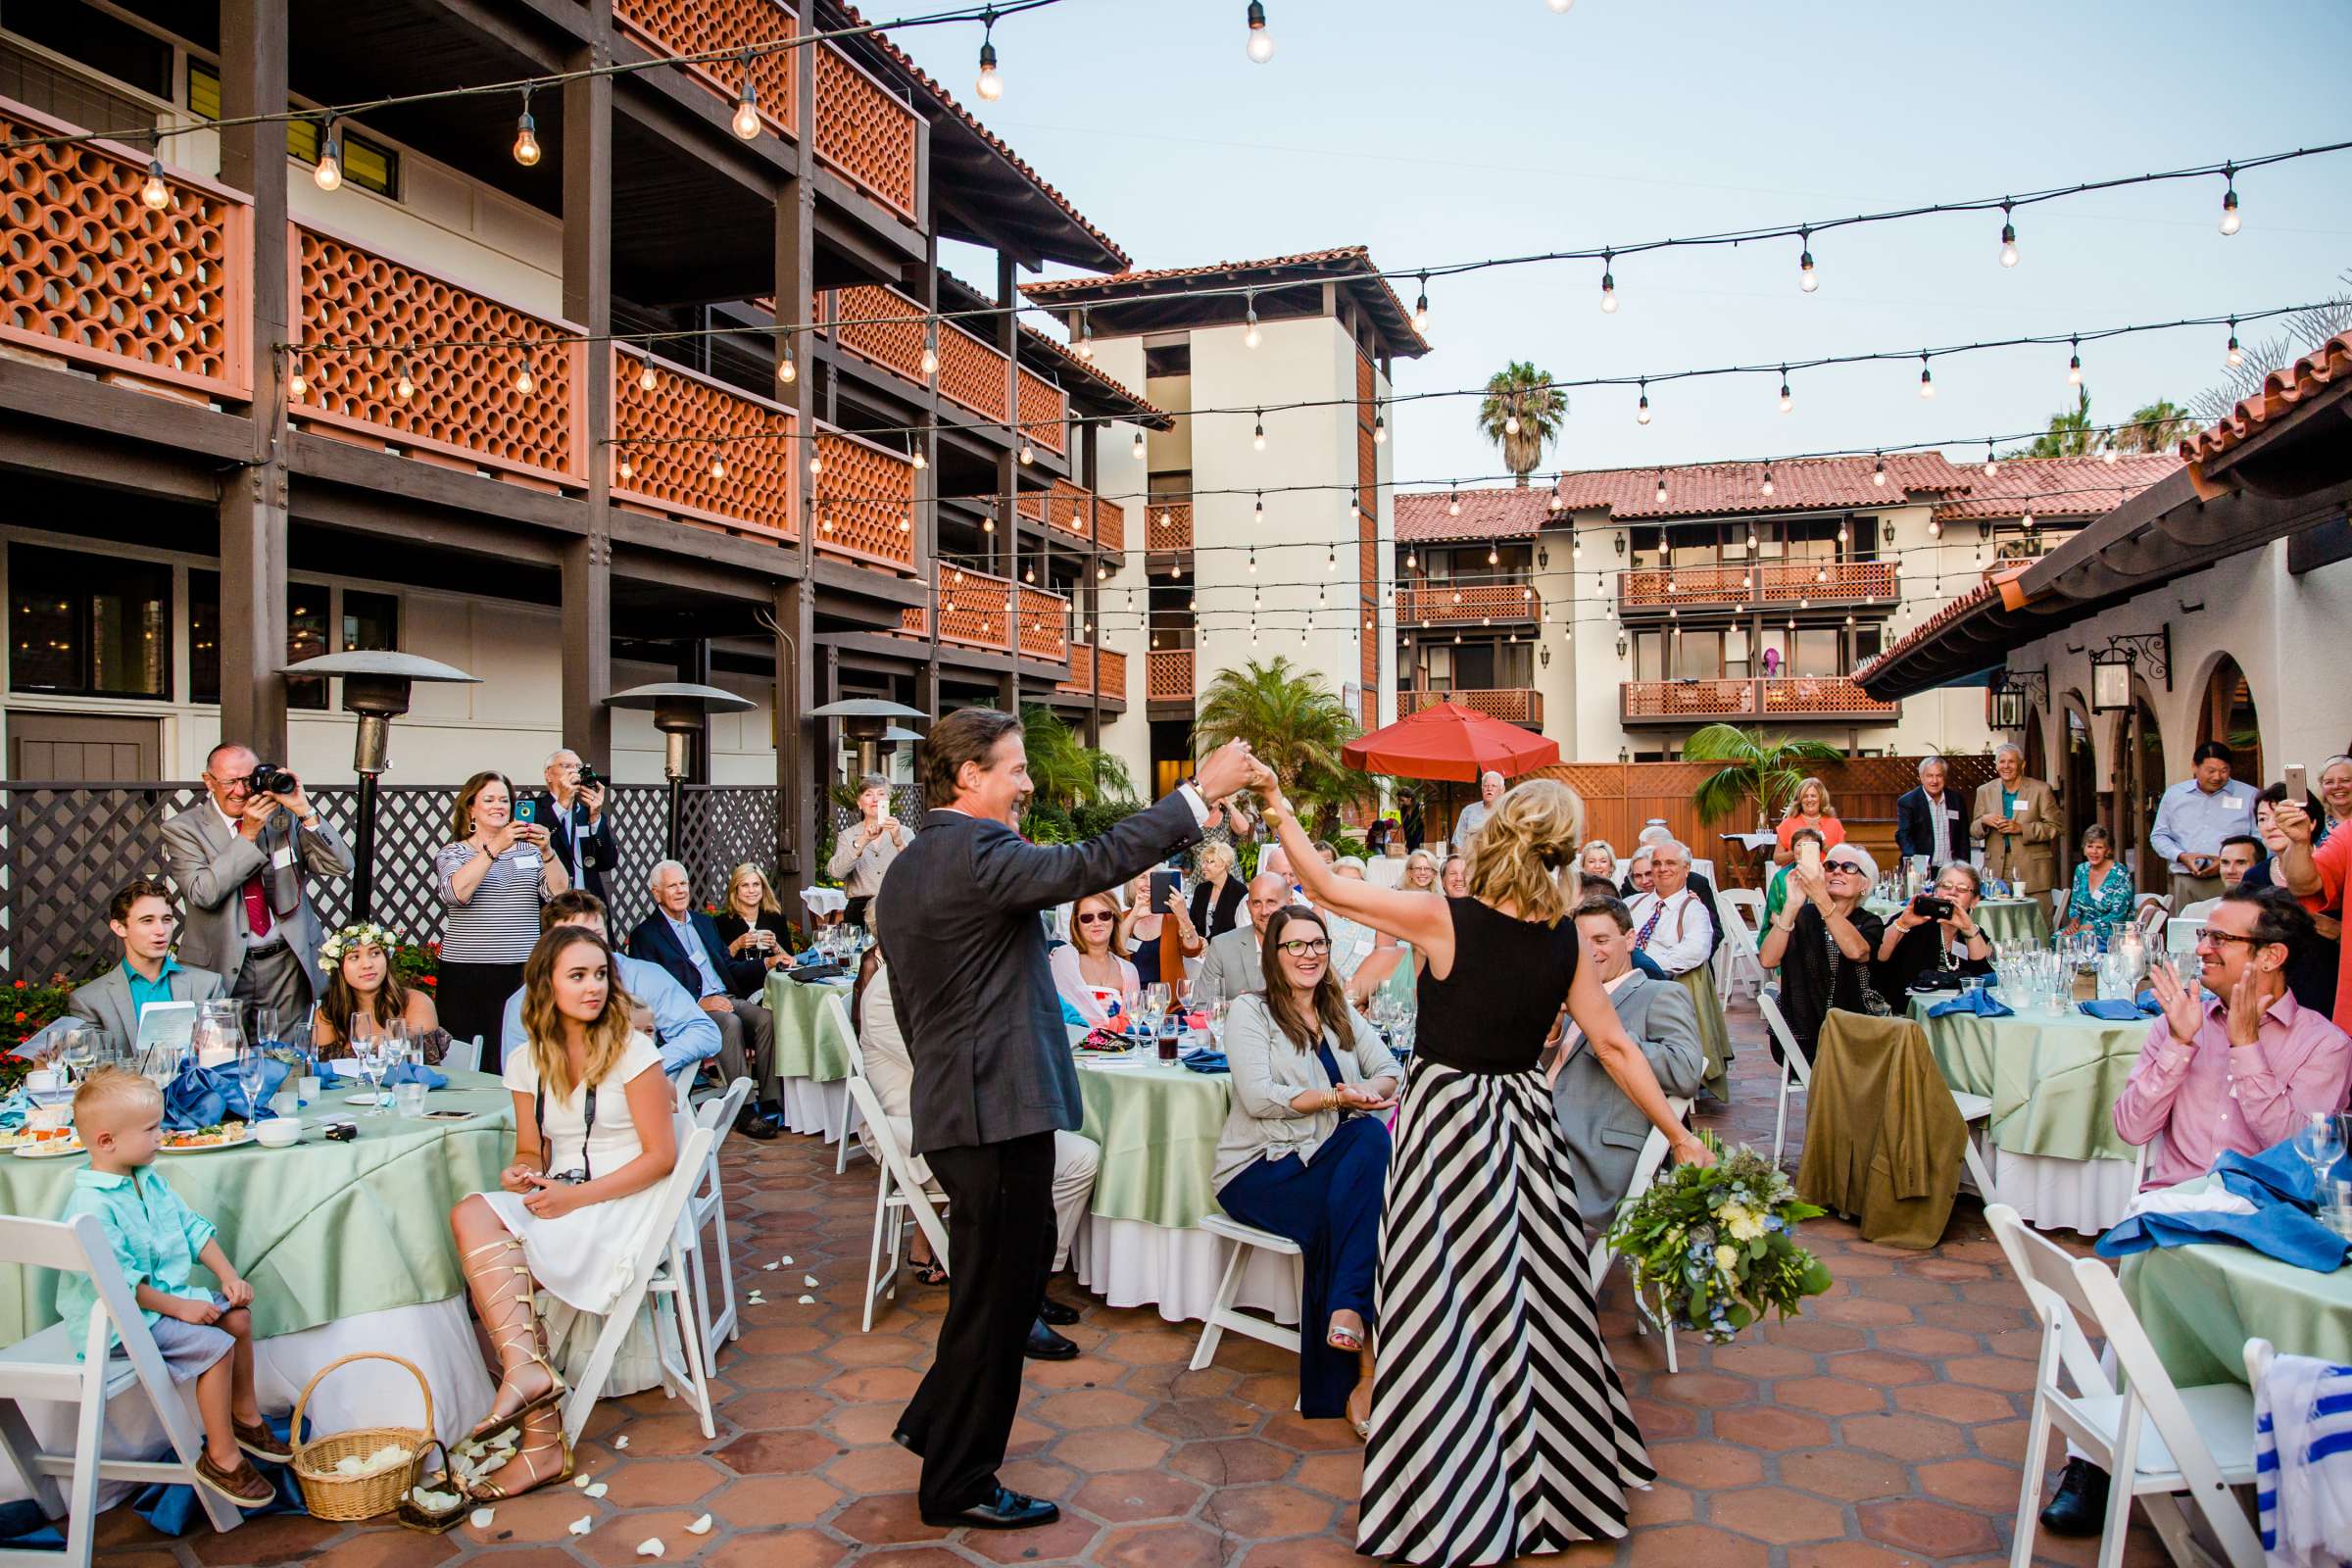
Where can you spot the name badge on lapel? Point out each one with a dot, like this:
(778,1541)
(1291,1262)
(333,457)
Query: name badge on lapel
(283,859)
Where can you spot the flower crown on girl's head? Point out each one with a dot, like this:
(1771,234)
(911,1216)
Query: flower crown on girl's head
(366,934)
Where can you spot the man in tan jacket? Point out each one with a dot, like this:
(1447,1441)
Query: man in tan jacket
(2017,818)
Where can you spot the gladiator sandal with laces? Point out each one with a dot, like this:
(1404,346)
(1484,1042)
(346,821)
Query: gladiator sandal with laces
(503,1290)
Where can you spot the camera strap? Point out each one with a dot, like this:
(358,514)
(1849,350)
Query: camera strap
(587,1131)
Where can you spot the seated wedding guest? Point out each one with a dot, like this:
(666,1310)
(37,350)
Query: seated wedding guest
(2311,966)
(1922,945)
(890,1072)
(862,850)
(1601,1130)
(139,914)
(2103,898)
(1811,811)
(1453,879)
(2316,875)
(684,942)
(573,1204)
(1420,872)
(686,1035)
(491,878)
(1323,847)
(1157,942)
(2335,797)
(1306,1149)
(364,993)
(1216,902)
(1637,873)
(1089,970)
(752,923)
(2239,854)
(1823,945)
(1597,868)
(1672,922)
(1233,968)
(1377,836)
(1777,893)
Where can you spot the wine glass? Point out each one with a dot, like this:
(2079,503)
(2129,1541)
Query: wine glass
(1156,1004)
(368,1055)
(77,1051)
(253,1063)
(2319,1145)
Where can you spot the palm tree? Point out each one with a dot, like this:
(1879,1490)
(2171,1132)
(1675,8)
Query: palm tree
(1762,768)
(1521,413)
(2069,434)
(1295,723)
(1064,771)
(2158,426)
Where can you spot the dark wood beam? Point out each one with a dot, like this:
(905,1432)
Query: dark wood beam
(587,629)
(331,462)
(388,516)
(27,447)
(124,414)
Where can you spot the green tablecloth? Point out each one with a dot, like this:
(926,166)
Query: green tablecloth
(1713,1037)
(807,1047)
(1159,1128)
(2053,1081)
(2201,1305)
(322,1230)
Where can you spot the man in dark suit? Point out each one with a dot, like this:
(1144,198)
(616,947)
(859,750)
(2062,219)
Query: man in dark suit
(684,941)
(580,830)
(1930,820)
(992,1075)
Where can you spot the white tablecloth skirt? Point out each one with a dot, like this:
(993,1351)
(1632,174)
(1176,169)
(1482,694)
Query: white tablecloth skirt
(2085,1195)
(821,1110)
(1133,1264)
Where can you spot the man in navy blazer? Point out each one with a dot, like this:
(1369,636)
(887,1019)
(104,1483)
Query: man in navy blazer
(1930,820)
(684,941)
(957,916)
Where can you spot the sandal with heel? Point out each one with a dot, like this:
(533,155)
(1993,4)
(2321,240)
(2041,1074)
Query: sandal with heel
(530,1476)
(512,1321)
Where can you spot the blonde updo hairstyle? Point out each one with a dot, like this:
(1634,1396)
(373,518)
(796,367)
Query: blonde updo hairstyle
(1518,855)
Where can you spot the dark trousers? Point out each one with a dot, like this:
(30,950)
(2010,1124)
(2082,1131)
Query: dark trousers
(1000,1250)
(472,1000)
(1332,1209)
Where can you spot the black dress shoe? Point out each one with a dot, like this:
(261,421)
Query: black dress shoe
(2078,1507)
(1046,1345)
(752,1124)
(1007,1510)
(1048,1310)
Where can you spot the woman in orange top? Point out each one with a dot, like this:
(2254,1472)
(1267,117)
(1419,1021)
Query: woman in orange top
(1812,809)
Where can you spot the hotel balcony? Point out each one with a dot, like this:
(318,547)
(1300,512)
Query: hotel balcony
(1513,704)
(883,327)
(1096,671)
(1168,527)
(1824,699)
(984,612)
(1076,513)
(1653,591)
(1485,604)
(1168,676)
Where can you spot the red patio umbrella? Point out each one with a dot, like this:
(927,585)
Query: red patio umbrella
(1450,742)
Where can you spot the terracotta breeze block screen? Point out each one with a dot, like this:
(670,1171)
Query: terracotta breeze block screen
(864,501)
(705,26)
(971,373)
(865,131)
(1041,410)
(754,491)
(878,323)
(88,270)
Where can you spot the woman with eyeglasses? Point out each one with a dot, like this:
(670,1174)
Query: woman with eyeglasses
(1306,1153)
(1090,970)
(1824,942)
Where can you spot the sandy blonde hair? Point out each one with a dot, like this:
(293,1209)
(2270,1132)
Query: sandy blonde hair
(767,892)
(1426,858)
(543,1025)
(1214,850)
(1533,831)
(1797,798)
(1108,900)
(109,1092)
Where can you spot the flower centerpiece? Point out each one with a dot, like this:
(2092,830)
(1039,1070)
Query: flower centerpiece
(1718,1242)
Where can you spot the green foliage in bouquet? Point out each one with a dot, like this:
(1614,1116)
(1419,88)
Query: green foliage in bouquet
(1718,1242)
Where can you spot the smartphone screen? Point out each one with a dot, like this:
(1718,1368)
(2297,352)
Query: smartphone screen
(525,810)
(1164,884)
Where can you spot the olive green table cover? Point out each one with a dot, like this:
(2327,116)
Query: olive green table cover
(1159,1127)
(1714,1039)
(807,1047)
(2201,1305)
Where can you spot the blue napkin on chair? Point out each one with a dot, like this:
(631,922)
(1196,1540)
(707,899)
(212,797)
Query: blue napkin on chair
(205,1097)
(1981,1002)
(2114,1010)
(2277,1183)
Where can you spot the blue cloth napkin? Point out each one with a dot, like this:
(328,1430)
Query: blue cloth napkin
(205,1097)
(1981,1002)
(2112,1010)
(1205,1060)
(1071,1015)
(14,1109)
(2277,1183)
(402,1072)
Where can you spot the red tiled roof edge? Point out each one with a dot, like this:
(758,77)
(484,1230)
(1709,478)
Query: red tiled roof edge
(1093,371)
(2058,487)
(1050,288)
(2282,390)
(1961,609)
(1424,517)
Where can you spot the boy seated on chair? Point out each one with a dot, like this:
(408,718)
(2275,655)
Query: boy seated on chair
(202,1335)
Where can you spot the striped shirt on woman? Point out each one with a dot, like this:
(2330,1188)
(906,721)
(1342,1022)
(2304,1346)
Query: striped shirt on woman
(500,923)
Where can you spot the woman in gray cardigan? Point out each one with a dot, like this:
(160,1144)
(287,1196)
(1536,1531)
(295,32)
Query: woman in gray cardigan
(1306,1149)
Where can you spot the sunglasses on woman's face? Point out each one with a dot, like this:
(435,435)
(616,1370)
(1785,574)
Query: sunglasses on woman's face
(1095,917)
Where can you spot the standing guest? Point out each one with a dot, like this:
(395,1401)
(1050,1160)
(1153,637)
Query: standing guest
(1824,946)
(492,879)
(1601,1129)
(2102,900)
(573,1204)
(1671,922)
(580,831)
(2318,877)
(139,914)
(752,923)
(1811,809)
(2336,795)
(1305,1153)
(240,861)
(1638,878)
(1453,880)
(1927,820)
(1157,941)
(2017,818)
(684,942)
(1420,874)
(1920,943)
(1233,968)
(1408,818)
(2192,818)
(1090,971)
(1776,895)
(1474,816)
(2311,965)
(863,852)
(1453,1473)
(1376,836)
(992,1075)
(1597,868)
(1217,894)
(2240,853)
(686,1035)
(364,993)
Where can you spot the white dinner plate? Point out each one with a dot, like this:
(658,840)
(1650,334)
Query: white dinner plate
(49,1149)
(239,1142)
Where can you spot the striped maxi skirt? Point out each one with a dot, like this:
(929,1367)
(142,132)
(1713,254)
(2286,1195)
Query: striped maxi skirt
(1499,1428)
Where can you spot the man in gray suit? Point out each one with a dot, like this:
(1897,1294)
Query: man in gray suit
(992,1074)
(1232,967)
(1602,1130)
(240,859)
(140,917)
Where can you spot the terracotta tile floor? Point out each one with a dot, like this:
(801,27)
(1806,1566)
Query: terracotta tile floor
(1885,1426)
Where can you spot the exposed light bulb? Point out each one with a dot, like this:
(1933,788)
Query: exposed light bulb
(2230,218)
(1421,308)
(1380,429)
(2074,369)
(1251,337)
(1993,464)
(991,85)
(788,373)
(1493,558)
(817,465)
(1510,425)
(1926,379)
(1137,449)
(628,469)
(297,384)
(647,378)
(930,362)
(1878,475)
(2111,453)
(1257,437)
(1768,481)
(524,380)
(155,193)
(2008,239)
(1257,513)
(2235,356)
(1560,7)
(1641,410)
(1028,452)
(1788,402)
(404,388)
(718,467)
(328,173)
(1453,504)
(745,121)
(1261,43)
(1661,496)
(1807,278)
(1935,528)
(918,460)
(1608,293)
(526,136)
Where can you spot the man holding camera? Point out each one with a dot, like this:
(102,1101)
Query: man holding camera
(572,810)
(239,860)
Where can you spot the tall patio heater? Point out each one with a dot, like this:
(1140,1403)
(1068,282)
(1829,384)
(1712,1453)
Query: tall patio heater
(679,708)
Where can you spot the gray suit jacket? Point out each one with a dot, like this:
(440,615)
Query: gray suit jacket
(1602,1130)
(1230,968)
(958,916)
(211,864)
(106,1000)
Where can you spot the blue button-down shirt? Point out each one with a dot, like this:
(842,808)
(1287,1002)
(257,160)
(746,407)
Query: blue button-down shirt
(684,931)
(144,991)
(686,1034)
(154,1235)
(2190,821)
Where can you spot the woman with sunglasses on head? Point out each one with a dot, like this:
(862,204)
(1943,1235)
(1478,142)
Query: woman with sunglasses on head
(1823,943)
(1090,970)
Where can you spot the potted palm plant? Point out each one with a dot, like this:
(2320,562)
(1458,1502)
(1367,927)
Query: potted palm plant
(1757,766)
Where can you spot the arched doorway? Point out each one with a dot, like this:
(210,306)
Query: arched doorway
(2225,713)
(2143,783)
(2078,786)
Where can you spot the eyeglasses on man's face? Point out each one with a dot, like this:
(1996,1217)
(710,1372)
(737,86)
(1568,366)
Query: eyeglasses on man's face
(2217,936)
(1302,947)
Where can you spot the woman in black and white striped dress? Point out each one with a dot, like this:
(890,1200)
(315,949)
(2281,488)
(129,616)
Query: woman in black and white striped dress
(492,881)
(1499,1428)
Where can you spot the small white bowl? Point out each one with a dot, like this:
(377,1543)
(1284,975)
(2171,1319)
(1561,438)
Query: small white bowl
(278,1132)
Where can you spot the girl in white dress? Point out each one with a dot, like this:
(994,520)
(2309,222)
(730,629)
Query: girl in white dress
(571,1210)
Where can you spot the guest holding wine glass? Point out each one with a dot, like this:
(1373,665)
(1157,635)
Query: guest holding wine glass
(864,850)
(364,993)
(752,923)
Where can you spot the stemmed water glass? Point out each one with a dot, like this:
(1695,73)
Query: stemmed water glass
(2320,1145)
(1155,1004)
(369,1054)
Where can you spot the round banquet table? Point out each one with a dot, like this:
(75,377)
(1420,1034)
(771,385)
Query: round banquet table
(2201,1305)
(2000,919)
(812,1065)
(2053,1083)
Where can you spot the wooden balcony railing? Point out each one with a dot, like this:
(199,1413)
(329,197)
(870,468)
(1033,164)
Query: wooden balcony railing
(1110,524)
(1803,696)
(1168,525)
(94,276)
(1767,582)
(878,325)
(863,500)
(1043,411)
(1044,627)
(1075,511)
(1110,666)
(1514,705)
(751,482)
(976,609)
(515,408)
(866,134)
(971,374)
(1082,670)
(1168,676)
(1452,605)
(1088,663)
(1821,697)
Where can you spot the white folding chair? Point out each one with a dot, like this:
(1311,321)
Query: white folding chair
(655,1274)
(1736,966)
(462,1056)
(836,1012)
(1976,1110)
(1222,1313)
(2058,899)
(1647,1165)
(1794,1068)
(43,1369)
(706,1209)
(898,1198)
(2154,1439)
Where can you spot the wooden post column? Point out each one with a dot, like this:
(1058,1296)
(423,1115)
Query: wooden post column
(794,604)
(587,563)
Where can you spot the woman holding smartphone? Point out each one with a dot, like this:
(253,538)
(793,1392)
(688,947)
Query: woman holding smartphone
(492,879)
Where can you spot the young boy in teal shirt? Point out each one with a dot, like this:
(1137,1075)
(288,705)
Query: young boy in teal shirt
(157,1240)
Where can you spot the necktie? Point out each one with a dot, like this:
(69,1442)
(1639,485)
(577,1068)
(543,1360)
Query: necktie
(256,908)
(1642,936)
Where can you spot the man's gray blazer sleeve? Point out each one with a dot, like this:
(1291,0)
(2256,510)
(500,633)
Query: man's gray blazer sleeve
(1669,1038)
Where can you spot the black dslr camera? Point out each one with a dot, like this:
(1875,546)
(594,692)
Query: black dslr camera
(268,778)
(588,776)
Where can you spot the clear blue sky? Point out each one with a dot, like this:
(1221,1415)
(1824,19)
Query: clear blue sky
(1481,127)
